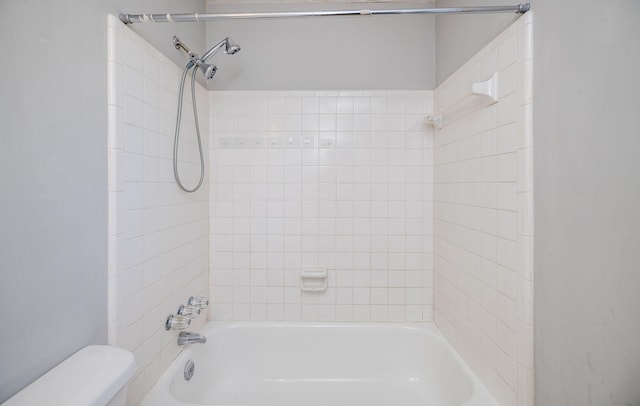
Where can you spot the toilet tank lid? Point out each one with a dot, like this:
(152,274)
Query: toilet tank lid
(91,376)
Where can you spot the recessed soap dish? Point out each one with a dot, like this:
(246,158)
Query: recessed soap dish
(313,280)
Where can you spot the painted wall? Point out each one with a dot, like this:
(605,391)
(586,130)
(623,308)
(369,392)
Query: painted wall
(160,36)
(587,186)
(349,53)
(338,180)
(459,37)
(53,172)
(483,216)
(586,178)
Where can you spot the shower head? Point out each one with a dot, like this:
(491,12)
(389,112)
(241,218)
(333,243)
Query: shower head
(208,70)
(230,48)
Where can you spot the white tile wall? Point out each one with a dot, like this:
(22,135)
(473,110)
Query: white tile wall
(321,179)
(483,280)
(158,235)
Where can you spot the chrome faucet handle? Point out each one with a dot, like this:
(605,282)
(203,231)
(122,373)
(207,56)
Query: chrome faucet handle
(177,322)
(198,301)
(189,311)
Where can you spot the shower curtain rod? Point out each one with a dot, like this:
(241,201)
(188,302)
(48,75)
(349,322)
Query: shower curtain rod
(197,17)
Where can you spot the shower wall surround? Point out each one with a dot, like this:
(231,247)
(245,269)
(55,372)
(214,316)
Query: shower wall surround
(158,235)
(338,180)
(483,216)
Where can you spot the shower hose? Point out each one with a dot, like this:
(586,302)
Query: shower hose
(177,133)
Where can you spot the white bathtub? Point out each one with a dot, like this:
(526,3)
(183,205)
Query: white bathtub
(299,364)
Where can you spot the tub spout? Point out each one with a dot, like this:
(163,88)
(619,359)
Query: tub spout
(186,338)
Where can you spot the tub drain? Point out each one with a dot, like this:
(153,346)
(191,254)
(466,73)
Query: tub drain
(189,369)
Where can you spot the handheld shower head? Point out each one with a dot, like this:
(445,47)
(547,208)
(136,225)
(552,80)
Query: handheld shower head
(208,70)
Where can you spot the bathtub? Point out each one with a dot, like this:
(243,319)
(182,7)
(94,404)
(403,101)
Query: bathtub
(300,364)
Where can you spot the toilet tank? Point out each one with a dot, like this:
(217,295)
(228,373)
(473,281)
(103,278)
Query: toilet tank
(96,375)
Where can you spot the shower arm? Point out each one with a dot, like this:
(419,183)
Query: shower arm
(194,59)
(214,49)
(179,44)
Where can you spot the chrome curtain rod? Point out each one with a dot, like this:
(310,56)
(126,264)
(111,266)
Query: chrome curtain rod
(196,17)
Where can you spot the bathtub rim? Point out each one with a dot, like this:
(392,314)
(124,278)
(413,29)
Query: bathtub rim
(161,391)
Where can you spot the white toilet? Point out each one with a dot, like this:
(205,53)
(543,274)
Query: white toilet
(96,375)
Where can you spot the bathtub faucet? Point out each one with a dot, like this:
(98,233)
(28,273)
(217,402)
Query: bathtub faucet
(186,338)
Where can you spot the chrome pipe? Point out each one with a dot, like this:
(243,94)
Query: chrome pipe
(179,44)
(214,49)
(197,17)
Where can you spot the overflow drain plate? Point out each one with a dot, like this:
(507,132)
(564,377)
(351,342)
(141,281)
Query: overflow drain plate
(189,369)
